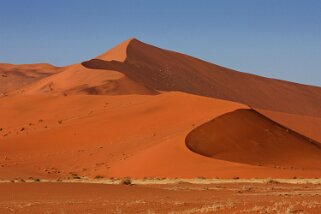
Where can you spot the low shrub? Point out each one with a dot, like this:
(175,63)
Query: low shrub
(126,181)
(271,181)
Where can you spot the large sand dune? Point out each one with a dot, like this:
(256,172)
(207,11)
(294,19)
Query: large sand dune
(164,70)
(147,102)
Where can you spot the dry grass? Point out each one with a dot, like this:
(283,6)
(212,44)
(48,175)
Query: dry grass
(257,197)
(126,181)
(102,180)
(214,207)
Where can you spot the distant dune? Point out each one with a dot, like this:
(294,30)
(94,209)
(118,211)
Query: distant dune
(76,79)
(141,111)
(13,77)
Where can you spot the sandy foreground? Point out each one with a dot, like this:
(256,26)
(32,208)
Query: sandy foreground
(162,196)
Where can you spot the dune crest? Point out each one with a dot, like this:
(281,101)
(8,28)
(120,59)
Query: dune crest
(306,125)
(117,53)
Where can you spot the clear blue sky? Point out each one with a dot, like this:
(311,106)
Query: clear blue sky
(274,38)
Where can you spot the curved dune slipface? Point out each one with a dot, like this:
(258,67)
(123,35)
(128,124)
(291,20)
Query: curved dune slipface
(246,136)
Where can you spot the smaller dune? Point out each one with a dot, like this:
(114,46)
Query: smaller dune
(14,77)
(76,79)
(246,136)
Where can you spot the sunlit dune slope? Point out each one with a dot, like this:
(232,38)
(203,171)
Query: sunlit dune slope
(76,79)
(116,136)
(111,136)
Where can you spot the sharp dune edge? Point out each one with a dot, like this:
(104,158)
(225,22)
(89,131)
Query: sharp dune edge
(118,53)
(306,125)
(148,103)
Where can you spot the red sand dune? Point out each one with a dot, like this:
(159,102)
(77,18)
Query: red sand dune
(106,135)
(246,136)
(76,79)
(13,77)
(53,126)
(118,53)
(165,70)
(116,136)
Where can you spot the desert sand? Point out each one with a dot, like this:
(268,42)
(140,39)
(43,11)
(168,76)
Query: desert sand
(140,111)
(169,198)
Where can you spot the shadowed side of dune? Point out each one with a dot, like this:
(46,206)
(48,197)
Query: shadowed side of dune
(246,136)
(163,70)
